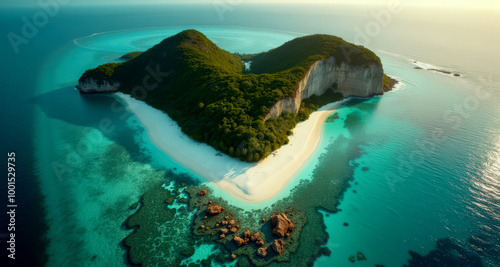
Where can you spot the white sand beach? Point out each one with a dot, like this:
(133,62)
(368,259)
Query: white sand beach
(249,181)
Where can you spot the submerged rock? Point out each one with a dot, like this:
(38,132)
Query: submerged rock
(278,246)
(352,258)
(361,256)
(95,85)
(262,252)
(214,210)
(255,236)
(202,192)
(239,241)
(282,225)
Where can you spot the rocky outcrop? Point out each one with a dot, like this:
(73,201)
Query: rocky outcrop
(324,75)
(361,256)
(214,210)
(278,246)
(90,86)
(282,225)
(239,241)
(262,252)
(202,193)
(255,236)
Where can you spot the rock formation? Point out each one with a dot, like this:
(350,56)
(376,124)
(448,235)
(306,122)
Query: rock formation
(255,236)
(247,234)
(324,75)
(352,258)
(202,192)
(360,256)
(262,252)
(278,246)
(282,225)
(215,209)
(239,241)
(90,85)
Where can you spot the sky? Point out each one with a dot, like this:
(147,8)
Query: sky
(462,3)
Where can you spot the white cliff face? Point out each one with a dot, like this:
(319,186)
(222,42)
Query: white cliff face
(326,75)
(98,86)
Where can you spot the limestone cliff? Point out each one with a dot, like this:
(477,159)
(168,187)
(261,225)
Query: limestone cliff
(325,74)
(91,85)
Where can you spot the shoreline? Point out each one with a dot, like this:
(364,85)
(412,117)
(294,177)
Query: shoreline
(248,181)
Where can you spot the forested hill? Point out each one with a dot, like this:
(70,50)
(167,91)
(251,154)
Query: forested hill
(205,89)
(304,51)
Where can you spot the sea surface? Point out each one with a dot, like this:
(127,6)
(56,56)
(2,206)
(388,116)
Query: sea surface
(426,157)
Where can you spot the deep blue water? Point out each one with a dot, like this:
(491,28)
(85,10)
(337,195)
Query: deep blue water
(405,198)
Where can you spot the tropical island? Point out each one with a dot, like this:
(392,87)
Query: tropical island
(253,120)
(244,106)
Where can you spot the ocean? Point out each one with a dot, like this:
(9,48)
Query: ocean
(423,161)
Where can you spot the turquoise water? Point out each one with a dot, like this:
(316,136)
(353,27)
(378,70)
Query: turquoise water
(415,184)
(429,169)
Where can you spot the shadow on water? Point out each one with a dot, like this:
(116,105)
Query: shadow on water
(99,111)
(362,103)
(447,253)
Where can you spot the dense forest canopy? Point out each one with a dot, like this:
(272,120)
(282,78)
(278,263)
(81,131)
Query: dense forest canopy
(206,90)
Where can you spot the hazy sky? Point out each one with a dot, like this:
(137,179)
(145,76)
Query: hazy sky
(462,3)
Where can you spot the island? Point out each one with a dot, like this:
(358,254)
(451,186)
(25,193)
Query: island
(252,121)
(244,106)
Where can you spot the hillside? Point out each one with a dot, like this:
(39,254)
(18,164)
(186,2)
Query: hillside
(204,89)
(302,52)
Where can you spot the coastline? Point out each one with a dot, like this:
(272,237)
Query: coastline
(248,181)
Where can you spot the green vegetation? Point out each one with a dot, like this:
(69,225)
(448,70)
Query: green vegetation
(131,55)
(204,89)
(299,54)
(104,71)
(388,83)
